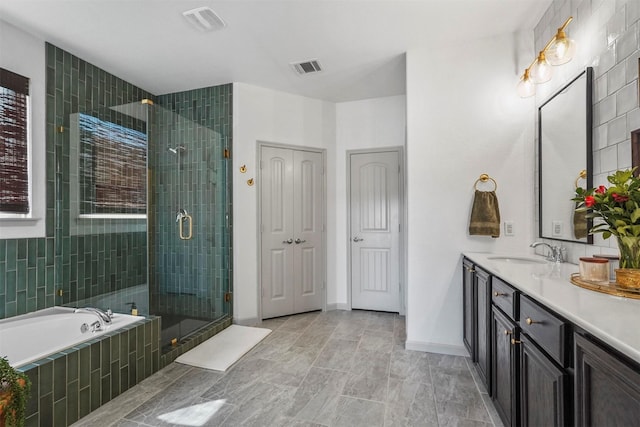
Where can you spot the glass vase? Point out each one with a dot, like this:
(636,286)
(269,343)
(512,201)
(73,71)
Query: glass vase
(628,275)
(629,247)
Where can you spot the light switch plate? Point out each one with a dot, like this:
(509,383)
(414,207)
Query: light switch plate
(556,228)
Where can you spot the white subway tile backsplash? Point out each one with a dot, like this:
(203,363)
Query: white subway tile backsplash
(628,42)
(609,159)
(607,59)
(633,12)
(633,120)
(605,110)
(631,65)
(617,130)
(608,37)
(617,23)
(624,154)
(600,140)
(616,78)
(627,98)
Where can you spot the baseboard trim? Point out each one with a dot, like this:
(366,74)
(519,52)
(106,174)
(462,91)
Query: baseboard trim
(249,321)
(453,350)
(338,306)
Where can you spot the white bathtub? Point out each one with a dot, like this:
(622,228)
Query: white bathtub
(33,336)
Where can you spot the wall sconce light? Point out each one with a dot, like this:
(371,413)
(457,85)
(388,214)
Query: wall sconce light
(559,50)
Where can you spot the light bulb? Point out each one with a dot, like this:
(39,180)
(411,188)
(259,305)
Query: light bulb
(526,87)
(561,50)
(541,71)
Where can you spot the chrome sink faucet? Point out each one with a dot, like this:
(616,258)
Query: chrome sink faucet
(556,253)
(103,316)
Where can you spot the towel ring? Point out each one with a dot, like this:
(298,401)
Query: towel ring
(484,178)
(581,175)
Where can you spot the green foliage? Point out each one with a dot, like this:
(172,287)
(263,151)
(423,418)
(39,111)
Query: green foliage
(617,207)
(19,387)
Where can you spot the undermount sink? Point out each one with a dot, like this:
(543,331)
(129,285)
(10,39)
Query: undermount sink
(517,260)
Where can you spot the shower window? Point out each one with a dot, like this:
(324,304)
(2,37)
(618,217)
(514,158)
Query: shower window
(112,166)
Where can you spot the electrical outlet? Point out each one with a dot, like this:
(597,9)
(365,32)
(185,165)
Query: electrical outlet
(556,228)
(508,228)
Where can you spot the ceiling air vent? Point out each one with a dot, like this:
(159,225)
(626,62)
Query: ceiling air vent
(307,67)
(204,19)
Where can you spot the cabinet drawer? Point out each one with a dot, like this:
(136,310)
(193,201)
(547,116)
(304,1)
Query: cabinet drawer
(549,331)
(504,296)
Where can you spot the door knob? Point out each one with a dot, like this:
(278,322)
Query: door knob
(288,242)
(298,241)
(357,239)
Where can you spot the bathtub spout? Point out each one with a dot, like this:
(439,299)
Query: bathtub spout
(104,317)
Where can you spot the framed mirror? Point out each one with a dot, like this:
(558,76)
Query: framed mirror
(565,132)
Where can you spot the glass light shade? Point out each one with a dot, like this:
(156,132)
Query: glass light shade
(526,87)
(541,71)
(561,50)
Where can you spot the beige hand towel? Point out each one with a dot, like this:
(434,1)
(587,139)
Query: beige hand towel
(580,224)
(485,214)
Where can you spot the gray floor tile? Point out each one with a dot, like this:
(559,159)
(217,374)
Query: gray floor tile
(339,368)
(352,412)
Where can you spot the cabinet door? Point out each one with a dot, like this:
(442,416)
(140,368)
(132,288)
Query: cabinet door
(607,388)
(504,367)
(483,310)
(468,309)
(543,388)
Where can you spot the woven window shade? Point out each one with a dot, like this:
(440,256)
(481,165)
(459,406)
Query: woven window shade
(14,149)
(113,167)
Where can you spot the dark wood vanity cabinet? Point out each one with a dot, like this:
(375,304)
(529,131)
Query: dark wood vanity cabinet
(476,334)
(483,313)
(544,388)
(607,386)
(504,367)
(468,312)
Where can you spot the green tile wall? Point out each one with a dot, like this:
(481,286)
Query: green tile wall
(67,386)
(33,271)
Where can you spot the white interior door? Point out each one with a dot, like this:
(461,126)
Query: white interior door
(292,254)
(375,230)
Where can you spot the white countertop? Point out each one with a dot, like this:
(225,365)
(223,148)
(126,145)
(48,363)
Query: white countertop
(614,320)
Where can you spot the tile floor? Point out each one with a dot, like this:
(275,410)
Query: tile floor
(338,368)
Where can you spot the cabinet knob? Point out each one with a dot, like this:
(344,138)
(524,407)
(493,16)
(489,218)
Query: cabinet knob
(515,341)
(531,321)
(470,270)
(507,332)
(499,294)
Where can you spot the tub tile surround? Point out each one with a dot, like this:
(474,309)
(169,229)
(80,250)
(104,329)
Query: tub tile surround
(68,385)
(338,368)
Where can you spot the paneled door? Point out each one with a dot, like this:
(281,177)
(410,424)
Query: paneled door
(292,244)
(375,230)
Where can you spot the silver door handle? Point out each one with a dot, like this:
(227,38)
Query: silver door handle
(298,241)
(288,242)
(357,239)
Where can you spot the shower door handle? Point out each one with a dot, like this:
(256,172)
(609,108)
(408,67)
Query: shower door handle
(288,242)
(298,241)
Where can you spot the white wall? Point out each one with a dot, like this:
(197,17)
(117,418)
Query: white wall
(270,116)
(24,54)
(464,118)
(370,123)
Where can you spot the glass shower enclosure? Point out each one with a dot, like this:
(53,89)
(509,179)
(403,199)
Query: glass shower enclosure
(188,219)
(149,203)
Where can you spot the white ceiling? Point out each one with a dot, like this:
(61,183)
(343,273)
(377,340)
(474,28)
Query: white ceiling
(359,43)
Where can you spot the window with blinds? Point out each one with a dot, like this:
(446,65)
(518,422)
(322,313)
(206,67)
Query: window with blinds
(14,144)
(112,166)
